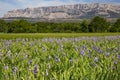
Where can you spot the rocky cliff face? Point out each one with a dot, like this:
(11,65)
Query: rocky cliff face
(76,11)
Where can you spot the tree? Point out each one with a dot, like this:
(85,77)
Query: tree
(84,26)
(21,26)
(116,26)
(3,26)
(98,24)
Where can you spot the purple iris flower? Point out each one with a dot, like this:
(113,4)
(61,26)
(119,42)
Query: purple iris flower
(36,69)
(96,59)
(82,52)
(6,67)
(119,57)
(115,62)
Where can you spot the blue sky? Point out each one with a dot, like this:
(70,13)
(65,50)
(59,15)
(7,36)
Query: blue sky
(7,5)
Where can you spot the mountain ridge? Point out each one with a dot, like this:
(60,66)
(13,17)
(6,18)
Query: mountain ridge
(75,11)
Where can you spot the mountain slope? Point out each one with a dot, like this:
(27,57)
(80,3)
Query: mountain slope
(77,11)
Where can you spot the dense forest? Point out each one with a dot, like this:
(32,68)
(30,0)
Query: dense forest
(97,24)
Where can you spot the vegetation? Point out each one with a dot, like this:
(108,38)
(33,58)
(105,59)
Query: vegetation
(97,24)
(85,58)
(51,35)
(20,26)
(59,51)
(116,26)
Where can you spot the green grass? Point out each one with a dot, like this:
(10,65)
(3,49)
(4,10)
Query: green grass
(58,35)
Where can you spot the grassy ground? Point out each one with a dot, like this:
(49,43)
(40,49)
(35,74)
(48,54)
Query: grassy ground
(58,35)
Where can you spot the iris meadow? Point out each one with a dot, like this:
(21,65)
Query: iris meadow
(75,58)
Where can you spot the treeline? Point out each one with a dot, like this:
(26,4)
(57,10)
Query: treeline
(97,24)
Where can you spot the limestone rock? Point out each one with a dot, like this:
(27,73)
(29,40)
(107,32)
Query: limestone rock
(68,11)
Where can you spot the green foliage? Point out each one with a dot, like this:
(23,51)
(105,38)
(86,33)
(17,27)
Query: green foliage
(44,27)
(86,58)
(21,26)
(116,26)
(84,25)
(3,26)
(49,35)
(98,24)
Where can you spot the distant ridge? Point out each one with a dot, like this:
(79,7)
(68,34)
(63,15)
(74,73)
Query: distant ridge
(76,11)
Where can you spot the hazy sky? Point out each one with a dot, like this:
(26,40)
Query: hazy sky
(7,5)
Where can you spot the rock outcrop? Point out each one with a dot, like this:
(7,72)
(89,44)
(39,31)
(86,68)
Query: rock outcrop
(77,11)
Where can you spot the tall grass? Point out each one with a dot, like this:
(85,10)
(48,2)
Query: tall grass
(56,35)
(84,58)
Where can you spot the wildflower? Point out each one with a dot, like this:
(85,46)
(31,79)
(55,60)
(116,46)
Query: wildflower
(26,39)
(84,47)
(113,57)
(6,67)
(119,57)
(43,48)
(25,56)
(61,47)
(100,50)
(36,69)
(82,52)
(114,67)
(15,69)
(9,54)
(30,62)
(96,59)
(107,54)
(53,79)
(57,59)
(16,54)
(46,72)
(116,49)
(115,62)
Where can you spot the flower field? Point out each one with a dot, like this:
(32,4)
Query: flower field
(80,58)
